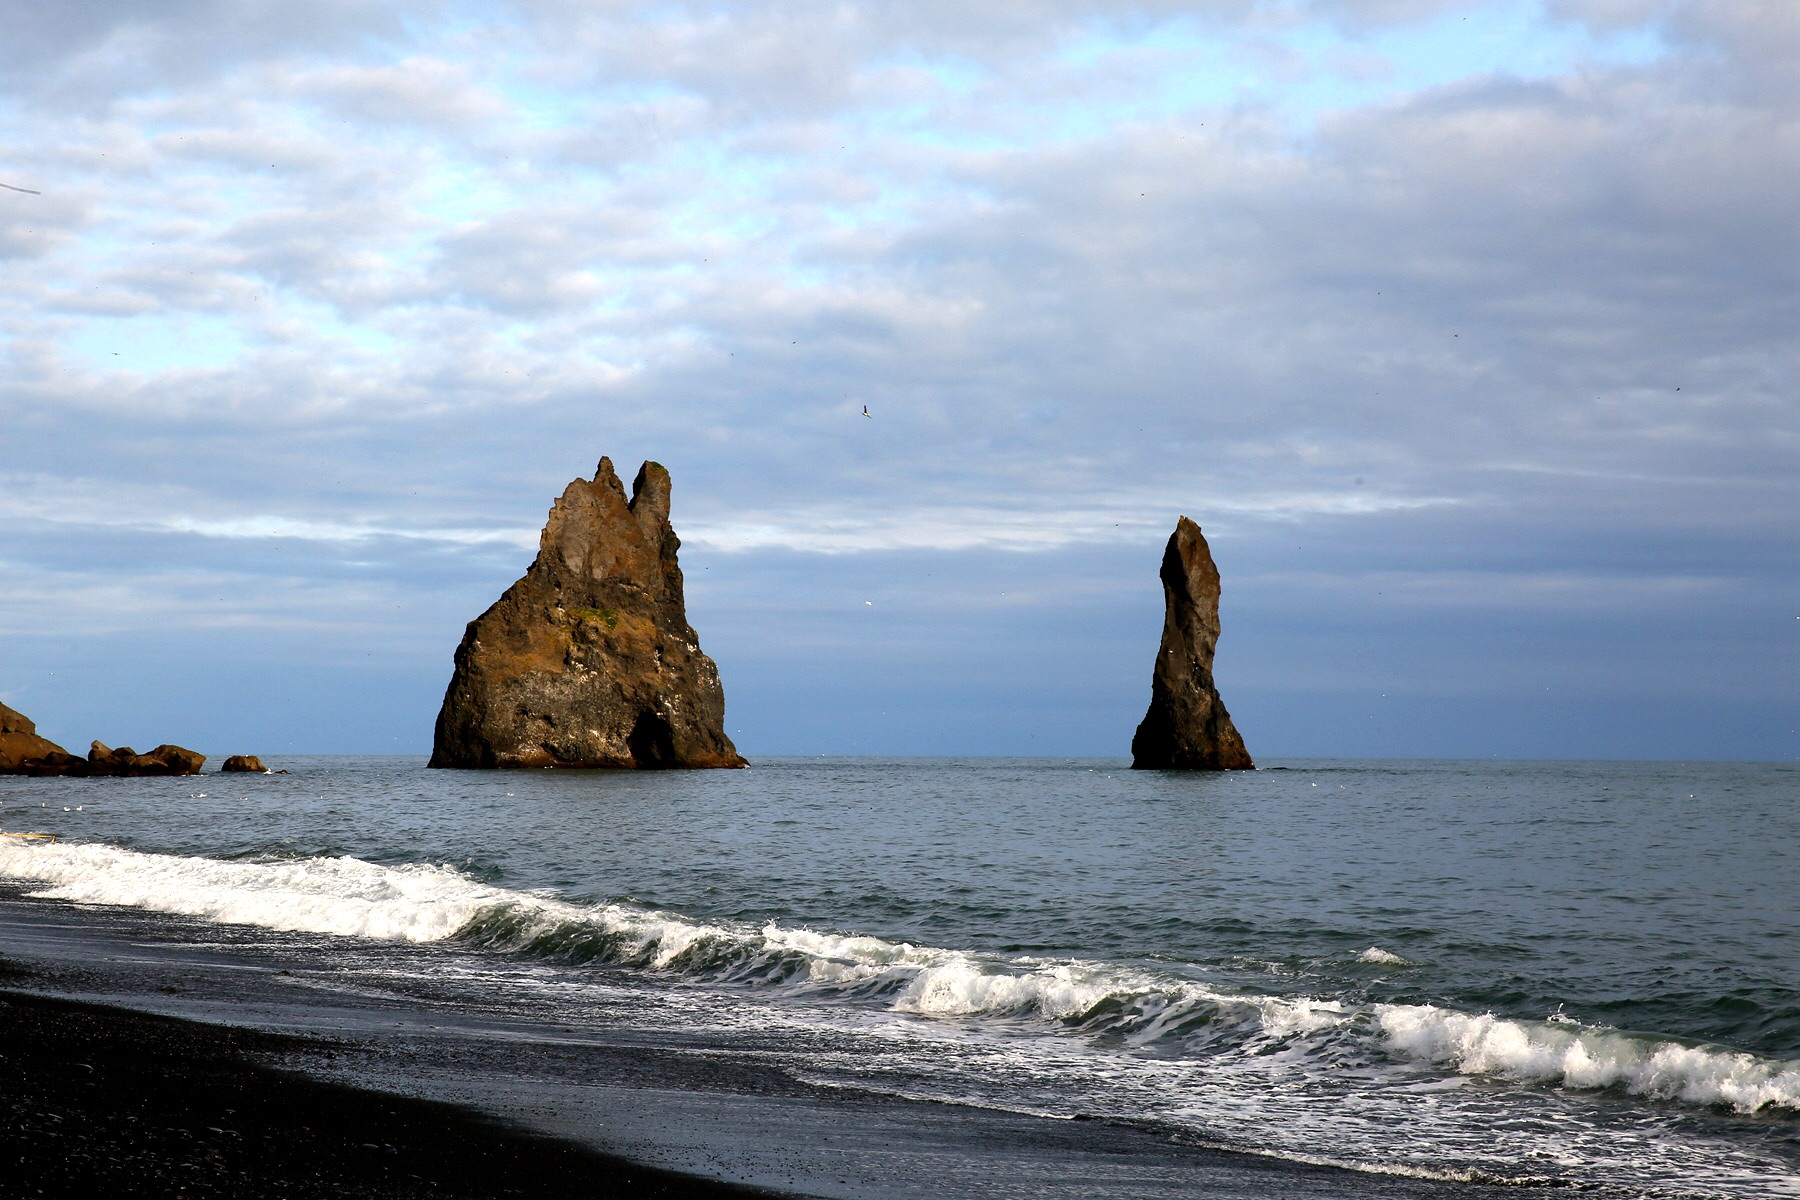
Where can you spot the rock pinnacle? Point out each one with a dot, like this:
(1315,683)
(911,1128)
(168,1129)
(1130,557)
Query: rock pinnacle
(1187,727)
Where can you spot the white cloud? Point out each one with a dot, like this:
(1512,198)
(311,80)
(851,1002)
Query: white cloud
(1114,518)
(75,505)
(324,274)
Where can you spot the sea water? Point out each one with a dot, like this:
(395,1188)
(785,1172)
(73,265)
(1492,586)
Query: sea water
(1580,973)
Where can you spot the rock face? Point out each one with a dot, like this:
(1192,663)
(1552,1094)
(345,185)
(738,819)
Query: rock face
(1187,727)
(23,752)
(243,763)
(588,660)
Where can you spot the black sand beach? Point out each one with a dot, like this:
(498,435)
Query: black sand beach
(103,1101)
(148,1055)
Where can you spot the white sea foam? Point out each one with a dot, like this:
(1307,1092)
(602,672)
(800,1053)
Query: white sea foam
(1582,1056)
(429,903)
(415,903)
(963,986)
(1386,958)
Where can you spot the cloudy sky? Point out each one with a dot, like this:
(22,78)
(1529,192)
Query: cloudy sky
(1467,329)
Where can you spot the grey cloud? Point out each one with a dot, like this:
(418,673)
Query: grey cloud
(527,264)
(84,53)
(1441,335)
(610,136)
(32,227)
(414,91)
(1758,41)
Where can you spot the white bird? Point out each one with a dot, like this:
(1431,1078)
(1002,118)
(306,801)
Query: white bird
(866,412)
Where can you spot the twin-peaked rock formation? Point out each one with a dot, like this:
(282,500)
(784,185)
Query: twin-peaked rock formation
(588,660)
(1187,725)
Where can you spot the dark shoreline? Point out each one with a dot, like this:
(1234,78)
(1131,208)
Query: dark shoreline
(150,1055)
(104,1101)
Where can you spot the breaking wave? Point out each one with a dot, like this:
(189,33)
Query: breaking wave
(346,896)
(1581,1056)
(424,903)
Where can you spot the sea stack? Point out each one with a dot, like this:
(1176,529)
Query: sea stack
(588,660)
(1187,727)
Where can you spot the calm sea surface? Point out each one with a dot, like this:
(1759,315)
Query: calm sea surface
(1578,972)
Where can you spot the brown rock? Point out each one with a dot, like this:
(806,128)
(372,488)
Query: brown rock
(23,752)
(164,760)
(102,755)
(244,762)
(588,660)
(57,762)
(1187,726)
(179,761)
(19,741)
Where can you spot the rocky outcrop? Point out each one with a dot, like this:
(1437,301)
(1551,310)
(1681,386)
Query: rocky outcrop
(164,760)
(19,741)
(243,763)
(23,752)
(1187,727)
(588,660)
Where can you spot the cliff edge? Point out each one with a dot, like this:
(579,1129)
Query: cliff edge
(588,660)
(1187,727)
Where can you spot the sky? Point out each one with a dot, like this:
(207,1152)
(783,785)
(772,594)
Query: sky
(1466,329)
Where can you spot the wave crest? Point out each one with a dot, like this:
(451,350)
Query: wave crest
(1582,1056)
(1142,1006)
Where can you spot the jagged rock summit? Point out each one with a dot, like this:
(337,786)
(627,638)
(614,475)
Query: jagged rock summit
(1187,727)
(588,660)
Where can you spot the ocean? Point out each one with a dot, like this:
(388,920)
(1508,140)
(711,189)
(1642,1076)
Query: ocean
(1548,974)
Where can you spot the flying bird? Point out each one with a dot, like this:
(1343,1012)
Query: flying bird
(866,412)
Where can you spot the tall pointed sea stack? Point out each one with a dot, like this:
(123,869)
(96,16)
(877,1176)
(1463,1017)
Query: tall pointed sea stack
(1187,727)
(588,660)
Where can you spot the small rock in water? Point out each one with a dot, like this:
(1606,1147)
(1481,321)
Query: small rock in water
(244,762)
